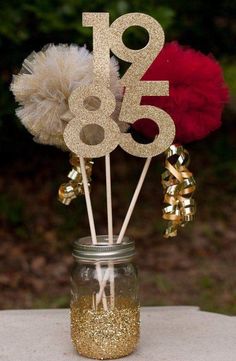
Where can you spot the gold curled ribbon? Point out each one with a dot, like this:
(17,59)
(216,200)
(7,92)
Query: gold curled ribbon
(74,188)
(179,185)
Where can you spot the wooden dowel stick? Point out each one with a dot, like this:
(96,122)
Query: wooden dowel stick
(112,284)
(110,224)
(91,223)
(109,199)
(88,201)
(106,277)
(134,200)
(103,295)
(126,221)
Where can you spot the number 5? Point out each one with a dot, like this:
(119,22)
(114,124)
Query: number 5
(132,110)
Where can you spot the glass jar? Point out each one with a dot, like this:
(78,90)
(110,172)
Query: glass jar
(105,313)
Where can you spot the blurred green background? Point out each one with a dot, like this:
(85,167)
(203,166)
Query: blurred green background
(36,231)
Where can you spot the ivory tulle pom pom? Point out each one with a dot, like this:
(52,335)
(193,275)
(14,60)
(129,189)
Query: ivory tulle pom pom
(44,84)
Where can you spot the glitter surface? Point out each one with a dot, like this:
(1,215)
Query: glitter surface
(99,117)
(131,111)
(107,38)
(100,334)
(140,59)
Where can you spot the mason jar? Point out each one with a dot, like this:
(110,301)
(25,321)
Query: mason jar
(105,311)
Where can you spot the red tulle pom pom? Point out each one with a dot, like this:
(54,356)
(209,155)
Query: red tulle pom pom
(197,93)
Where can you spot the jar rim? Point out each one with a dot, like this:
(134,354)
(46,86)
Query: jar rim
(84,249)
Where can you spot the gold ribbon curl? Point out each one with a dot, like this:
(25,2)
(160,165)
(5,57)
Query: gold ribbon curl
(179,186)
(74,188)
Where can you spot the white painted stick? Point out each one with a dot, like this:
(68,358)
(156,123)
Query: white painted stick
(91,222)
(134,200)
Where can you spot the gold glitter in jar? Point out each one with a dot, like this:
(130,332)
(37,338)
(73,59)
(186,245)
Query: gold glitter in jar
(101,334)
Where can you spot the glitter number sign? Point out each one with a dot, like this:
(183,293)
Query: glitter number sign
(109,38)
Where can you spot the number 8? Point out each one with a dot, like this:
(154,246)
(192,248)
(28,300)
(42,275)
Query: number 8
(85,117)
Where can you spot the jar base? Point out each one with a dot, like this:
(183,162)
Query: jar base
(105,334)
(104,358)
